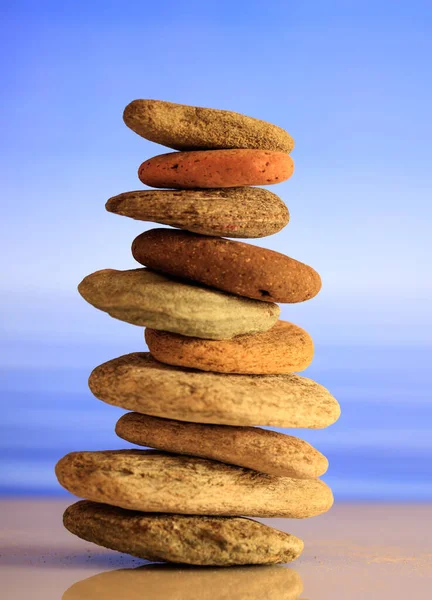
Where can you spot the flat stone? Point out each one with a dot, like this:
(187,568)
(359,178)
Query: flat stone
(282,349)
(194,540)
(244,212)
(168,582)
(216,169)
(231,266)
(184,127)
(251,447)
(151,481)
(144,298)
(140,383)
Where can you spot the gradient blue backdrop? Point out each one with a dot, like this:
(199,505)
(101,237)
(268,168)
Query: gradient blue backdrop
(351,82)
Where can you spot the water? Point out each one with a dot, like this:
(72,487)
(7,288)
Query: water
(380,449)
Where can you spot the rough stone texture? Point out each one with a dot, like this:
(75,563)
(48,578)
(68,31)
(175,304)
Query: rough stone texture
(184,127)
(157,482)
(244,212)
(216,169)
(194,540)
(140,383)
(231,266)
(258,449)
(282,349)
(142,297)
(168,582)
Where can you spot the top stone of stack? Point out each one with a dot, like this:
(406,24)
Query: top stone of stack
(183,127)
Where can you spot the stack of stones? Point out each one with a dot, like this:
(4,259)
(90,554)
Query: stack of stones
(220,362)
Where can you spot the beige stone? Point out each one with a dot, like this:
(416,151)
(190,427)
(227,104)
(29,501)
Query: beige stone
(259,449)
(142,297)
(168,582)
(140,383)
(194,540)
(282,349)
(244,212)
(183,127)
(151,481)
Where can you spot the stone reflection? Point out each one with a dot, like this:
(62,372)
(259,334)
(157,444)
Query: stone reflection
(167,582)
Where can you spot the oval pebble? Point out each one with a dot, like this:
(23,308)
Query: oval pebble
(151,481)
(258,449)
(216,169)
(183,127)
(282,349)
(140,383)
(141,297)
(227,265)
(193,540)
(244,212)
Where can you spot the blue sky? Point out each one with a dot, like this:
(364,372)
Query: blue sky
(349,80)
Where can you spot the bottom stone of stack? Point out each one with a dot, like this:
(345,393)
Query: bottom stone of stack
(194,540)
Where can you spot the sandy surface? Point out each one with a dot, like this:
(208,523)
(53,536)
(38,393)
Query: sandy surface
(352,552)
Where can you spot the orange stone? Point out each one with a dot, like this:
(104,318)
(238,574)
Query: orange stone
(216,169)
(282,349)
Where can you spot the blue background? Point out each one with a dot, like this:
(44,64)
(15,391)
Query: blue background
(350,81)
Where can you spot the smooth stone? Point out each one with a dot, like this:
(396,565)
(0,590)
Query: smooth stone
(193,540)
(216,169)
(251,447)
(140,383)
(151,481)
(169,582)
(282,349)
(144,298)
(183,127)
(243,212)
(234,267)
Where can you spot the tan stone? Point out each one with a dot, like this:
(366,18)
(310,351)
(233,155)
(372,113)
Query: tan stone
(235,267)
(164,483)
(244,212)
(142,297)
(194,540)
(282,349)
(183,127)
(166,582)
(258,449)
(216,169)
(140,383)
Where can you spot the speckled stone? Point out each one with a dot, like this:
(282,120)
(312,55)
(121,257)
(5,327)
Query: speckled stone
(234,267)
(164,483)
(166,582)
(140,383)
(244,212)
(282,349)
(183,127)
(251,447)
(216,169)
(194,540)
(141,297)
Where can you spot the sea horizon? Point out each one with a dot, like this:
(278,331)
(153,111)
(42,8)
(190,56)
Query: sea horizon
(379,450)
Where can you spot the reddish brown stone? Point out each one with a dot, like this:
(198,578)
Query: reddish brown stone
(227,265)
